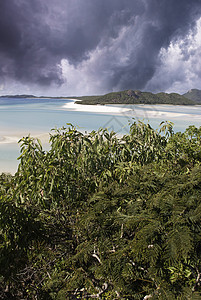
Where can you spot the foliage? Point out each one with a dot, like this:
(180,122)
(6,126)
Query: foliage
(101,216)
(194,94)
(137,97)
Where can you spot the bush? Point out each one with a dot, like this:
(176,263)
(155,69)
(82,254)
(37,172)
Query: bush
(99,216)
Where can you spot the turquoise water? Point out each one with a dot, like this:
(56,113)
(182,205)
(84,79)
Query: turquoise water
(44,114)
(20,117)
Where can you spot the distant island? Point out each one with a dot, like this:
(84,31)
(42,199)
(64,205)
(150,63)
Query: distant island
(137,97)
(194,94)
(192,97)
(33,96)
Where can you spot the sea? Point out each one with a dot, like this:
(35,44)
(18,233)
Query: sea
(37,117)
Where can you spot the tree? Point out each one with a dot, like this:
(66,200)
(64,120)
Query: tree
(97,216)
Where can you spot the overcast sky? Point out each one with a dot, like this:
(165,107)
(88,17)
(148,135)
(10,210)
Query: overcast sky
(83,47)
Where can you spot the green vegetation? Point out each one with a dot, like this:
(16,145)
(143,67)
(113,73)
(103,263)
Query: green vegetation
(137,97)
(130,97)
(34,97)
(18,96)
(103,217)
(194,95)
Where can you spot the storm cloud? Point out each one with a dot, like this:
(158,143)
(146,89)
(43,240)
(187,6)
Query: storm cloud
(92,46)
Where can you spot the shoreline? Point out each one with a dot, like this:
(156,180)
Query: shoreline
(98,108)
(143,112)
(10,150)
(112,115)
(139,111)
(14,139)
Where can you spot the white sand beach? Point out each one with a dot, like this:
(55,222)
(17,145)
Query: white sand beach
(103,109)
(17,122)
(142,111)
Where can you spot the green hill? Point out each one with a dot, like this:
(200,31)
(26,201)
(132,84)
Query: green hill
(192,97)
(18,96)
(137,97)
(194,94)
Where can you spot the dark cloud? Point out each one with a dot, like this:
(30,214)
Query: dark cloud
(36,35)
(162,22)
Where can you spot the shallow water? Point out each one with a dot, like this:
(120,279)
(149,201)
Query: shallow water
(20,117)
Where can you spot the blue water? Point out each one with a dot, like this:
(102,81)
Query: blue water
(44,114)
(19,117)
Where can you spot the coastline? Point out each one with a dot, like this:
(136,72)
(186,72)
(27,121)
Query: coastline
(14,139)
(141,110)
(10,149)
(110,115)
(102,109)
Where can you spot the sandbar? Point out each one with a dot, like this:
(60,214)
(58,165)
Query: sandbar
(140,111)
(14,139)
(102,109)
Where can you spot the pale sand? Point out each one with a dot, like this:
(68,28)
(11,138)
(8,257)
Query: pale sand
(10,136)
(10,150)
(95,108)
(14,139)
(128,111)
(163,115)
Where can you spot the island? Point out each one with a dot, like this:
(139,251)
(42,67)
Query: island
(137,97)
(192,97)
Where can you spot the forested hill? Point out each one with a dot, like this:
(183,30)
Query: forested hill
(137,97)
(192,97)
(194,94)
(18,96)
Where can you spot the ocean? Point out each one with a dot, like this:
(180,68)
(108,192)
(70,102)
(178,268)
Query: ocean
(20,117)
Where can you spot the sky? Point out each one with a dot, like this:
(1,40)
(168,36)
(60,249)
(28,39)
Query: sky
(92,47)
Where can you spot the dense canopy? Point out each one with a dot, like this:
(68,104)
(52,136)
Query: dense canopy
(102,216)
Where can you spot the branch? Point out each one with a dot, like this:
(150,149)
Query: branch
(96,256)
(154,293)
(147,297)
(104,288)
(198,279)
(122,230)
(84,294)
